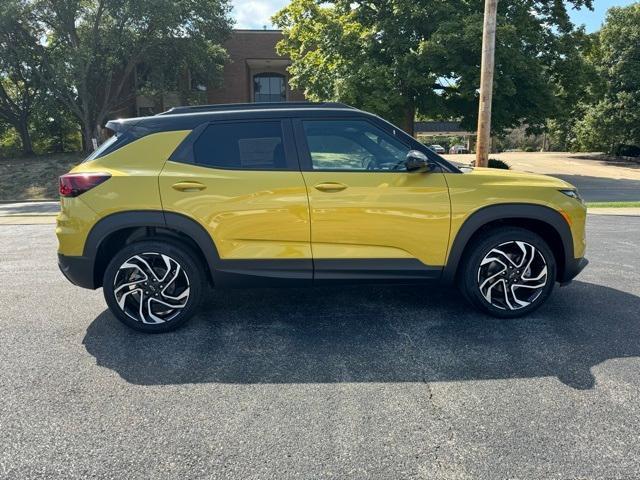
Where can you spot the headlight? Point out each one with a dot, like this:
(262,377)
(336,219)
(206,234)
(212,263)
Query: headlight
(573,194)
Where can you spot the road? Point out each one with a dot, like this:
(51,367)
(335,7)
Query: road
(596,179)
(359,382)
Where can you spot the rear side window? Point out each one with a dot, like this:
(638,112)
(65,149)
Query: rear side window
(242,146)
(111,144)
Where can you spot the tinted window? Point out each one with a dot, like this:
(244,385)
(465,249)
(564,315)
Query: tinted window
(352,145)
(111,144)
(246,145)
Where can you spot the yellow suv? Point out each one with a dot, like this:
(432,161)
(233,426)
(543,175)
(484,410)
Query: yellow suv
(303,194)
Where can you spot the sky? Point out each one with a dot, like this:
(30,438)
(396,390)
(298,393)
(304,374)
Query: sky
(256,13)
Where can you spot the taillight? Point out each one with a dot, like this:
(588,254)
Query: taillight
(74,184)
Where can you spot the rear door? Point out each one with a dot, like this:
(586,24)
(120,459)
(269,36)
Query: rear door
(369,216)
(242,182)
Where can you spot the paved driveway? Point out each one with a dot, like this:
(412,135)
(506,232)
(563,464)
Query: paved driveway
(358,382)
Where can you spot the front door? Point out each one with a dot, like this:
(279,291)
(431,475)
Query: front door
(369,216)
(241,181)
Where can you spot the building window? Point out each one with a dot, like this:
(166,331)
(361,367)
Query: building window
(269,87)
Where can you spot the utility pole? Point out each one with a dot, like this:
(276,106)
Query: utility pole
(486,82)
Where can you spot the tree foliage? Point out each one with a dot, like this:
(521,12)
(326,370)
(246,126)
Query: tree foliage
(20,69)
(612,116)
(396,57)
(95,46)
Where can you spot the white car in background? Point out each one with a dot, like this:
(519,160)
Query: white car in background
(457,149)
(437,148)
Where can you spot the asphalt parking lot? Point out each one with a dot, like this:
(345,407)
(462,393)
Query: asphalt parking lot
(351,382)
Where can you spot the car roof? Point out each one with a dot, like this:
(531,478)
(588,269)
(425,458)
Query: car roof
(187,118)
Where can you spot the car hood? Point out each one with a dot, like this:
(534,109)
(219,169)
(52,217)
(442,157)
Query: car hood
(516,177)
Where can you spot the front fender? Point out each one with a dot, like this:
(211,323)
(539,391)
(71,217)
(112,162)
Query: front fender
(506,212)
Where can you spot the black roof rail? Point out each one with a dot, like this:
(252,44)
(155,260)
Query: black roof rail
(251,106)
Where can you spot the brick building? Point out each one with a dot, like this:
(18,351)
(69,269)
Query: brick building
(254,72)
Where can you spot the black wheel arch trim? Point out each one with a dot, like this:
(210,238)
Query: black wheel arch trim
(506,211)
(149,218)
(223,272)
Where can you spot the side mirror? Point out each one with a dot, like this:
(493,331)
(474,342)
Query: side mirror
(417,161)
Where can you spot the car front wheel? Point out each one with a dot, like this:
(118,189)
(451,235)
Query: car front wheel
(509,273)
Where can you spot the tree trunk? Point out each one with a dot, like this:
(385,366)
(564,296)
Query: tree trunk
(408,122)
(88,134)
(25,137)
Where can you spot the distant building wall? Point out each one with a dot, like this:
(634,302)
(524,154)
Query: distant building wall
(251,52)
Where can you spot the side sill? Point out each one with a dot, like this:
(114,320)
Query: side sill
(263,273)
(303,272)
(382,270)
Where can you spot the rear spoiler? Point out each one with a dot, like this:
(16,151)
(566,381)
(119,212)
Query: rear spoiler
(116,126)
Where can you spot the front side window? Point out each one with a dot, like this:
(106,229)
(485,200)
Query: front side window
(269,87)
(241,146)
(354,145)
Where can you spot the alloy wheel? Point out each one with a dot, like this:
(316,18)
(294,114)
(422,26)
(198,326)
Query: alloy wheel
(151,288)
(512,275)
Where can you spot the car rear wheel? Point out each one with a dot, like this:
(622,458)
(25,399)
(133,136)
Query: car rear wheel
(509,273)
(153,286)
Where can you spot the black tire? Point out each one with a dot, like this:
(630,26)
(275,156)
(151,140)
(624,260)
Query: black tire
(133,291)
(474,273)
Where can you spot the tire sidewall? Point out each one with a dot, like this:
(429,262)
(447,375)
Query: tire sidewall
(181,255)
(469,279)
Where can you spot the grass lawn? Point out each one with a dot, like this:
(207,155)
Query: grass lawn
(34,178)
(613,204)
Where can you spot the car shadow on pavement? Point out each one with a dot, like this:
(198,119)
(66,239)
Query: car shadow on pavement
(373,334)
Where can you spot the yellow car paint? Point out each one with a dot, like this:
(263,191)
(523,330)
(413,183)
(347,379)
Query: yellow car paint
(380,215)
(482,187)
(134,169)
(249,214)
(282,215)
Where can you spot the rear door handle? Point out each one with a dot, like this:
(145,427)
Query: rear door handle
(330,187)
(188,186)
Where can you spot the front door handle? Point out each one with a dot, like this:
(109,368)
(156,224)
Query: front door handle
(188,186)
(330,187)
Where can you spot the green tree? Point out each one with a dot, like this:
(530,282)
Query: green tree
(19,68)
(396,57)
(612,118)
(93,48)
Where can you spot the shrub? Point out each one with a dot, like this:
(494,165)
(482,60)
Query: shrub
(626,150)
(495,163)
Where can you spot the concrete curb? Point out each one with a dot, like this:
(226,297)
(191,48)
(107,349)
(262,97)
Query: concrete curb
(30,200)
(29,209)
(626,212)
(28,220)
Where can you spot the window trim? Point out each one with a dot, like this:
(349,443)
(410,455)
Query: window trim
(185,153)
(304,154)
